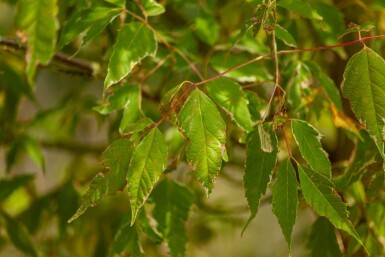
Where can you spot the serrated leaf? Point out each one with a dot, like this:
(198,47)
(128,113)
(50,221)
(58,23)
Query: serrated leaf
(319,193)
(322,240)
(127,241)
(116,159)
(285,198)
(230,96)
(285,36)
(172,206)
(148,162)
(132,129)
(19,235)
(152,7)
(201,122)
(135,41)
(38,20)
(303,8)
(92,20)
(364,86)
(259,167)
(308,140)
(175,96)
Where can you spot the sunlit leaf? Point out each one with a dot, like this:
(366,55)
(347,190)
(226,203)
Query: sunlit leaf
(285,198)
(38,20)
(259,167)
(203,125)
(320,194)
(152,7)
(129,50)
(148,161)
(230,96)
(303,8)
(172,206)
(308,140)
(364,86)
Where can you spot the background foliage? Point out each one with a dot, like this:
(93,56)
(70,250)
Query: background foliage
(118,105)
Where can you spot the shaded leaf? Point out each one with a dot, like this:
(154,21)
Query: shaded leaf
(172,206)
(285,36)
(308,140)
(230,96)
(322,240)
(19,236)
(146,227)
(303,8)
(256,106)
(285,198)
(148,161)
(38,20)
(207,28)
(364,86)
(127,241)
(259,167)
(129,50)
(9,185)
(201,122)
(320,194)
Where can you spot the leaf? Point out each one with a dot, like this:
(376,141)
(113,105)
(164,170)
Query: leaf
(146,227)
(355,28)
(364,86)
(230,96)
(264,17)
(308,140)
(148,162)
(172,206)
(93,21)
(256,106)
(303,8)
(322,240)
(207,28)
(116,159)
(38,20)
(134,42)
(152,7)
(259,167)
(285,36)
(9,185)
(201,122)
(19,235)
(127,241)
(319,193)
(285,198)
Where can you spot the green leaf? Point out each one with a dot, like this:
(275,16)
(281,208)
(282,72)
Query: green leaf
(320,194)
(37,19)
(207,28)
(285,36)
(285,198)
(127,241)
(355,28)
(146,227)
(148,162)
(116,159)
(152,7)
(201,122)
(259,167)
(364,86)
(19,236)
(230,96)
(308,140)
(322,240)
(92,20)
(256,106)
(134,42)
(9,185)
(303,8)
(172,206)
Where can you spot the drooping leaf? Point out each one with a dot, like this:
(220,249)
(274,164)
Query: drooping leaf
(116,159)
(285,36)
(38,20)
(172,207)
(230,96)
(322,240)
(92,20)
(308,140)
(148,161)
(259,167)
(9,185)
(320,194)
(285,198)
(152,7)
(19,236)
(364,86)
(127,241)
(129,50)
(203,125)
(303,8)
